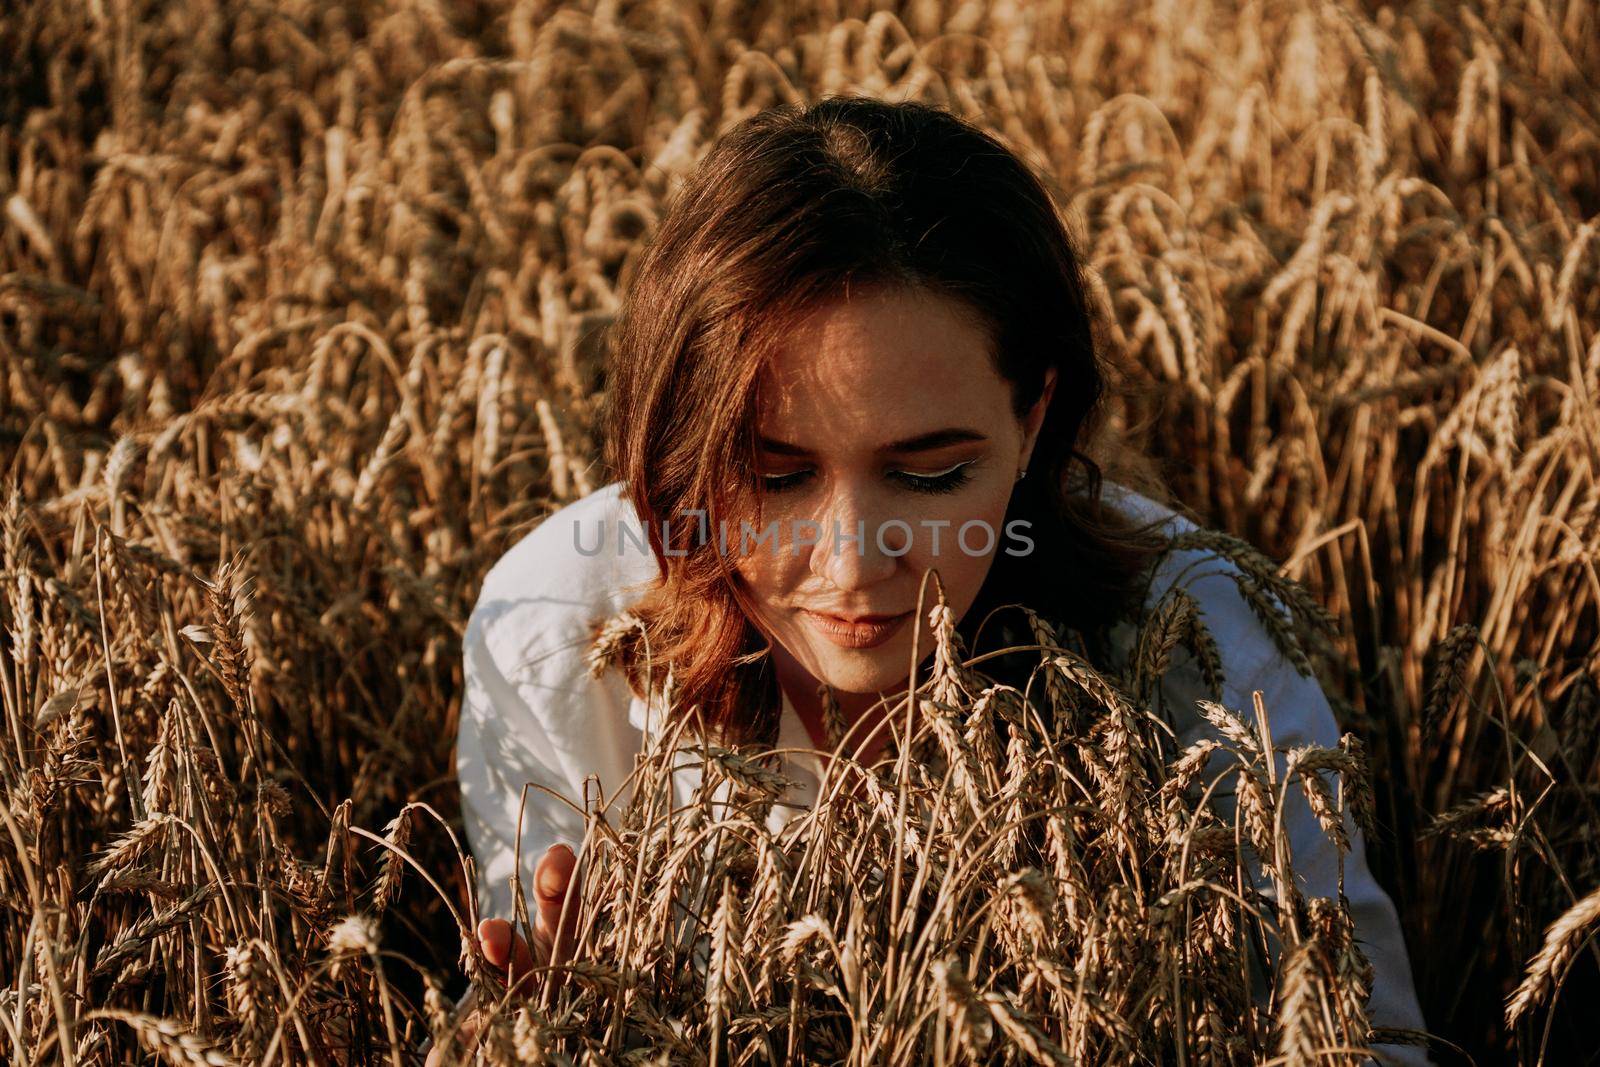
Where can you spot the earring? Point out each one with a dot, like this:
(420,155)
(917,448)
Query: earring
(1021,474)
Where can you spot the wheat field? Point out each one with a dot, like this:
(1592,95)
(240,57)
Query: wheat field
(302,313)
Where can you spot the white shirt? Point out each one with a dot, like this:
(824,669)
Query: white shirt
(531,712)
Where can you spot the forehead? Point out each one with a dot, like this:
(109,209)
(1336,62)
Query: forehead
(885,363)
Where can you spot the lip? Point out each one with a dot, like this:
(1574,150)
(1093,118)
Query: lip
(858,631)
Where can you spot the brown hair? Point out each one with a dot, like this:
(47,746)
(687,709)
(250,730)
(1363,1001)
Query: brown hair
(788,209)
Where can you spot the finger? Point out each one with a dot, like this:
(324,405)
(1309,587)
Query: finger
(551,880)
(463,1041)
(503,946)
(521,961)
(494,938)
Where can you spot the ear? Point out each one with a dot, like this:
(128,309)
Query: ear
(1034,419)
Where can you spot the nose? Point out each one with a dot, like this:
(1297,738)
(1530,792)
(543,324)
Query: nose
(859,545)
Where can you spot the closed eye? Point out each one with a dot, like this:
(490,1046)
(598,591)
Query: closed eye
(777,483)
(946,481)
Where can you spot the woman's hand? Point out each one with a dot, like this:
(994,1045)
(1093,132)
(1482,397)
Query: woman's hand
(509,954)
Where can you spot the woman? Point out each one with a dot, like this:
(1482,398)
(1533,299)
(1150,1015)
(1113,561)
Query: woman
(864,325)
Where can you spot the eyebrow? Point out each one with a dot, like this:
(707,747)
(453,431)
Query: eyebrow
(922,442)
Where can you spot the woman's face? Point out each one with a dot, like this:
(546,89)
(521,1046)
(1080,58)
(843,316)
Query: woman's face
(887,446)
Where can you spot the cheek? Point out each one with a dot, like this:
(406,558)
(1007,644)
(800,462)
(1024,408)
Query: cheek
(963,559)
(756,575)
(768,572)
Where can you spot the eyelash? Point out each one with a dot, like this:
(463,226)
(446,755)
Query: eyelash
(943,482)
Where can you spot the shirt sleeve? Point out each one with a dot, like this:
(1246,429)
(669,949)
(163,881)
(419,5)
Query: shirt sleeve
(532,714)
(1298,714)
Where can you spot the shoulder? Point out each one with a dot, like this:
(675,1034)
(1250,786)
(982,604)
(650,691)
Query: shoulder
(1216,583)
(540,598)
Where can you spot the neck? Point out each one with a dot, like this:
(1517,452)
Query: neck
(862,712)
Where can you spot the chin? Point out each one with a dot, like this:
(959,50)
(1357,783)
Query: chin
(863,672)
